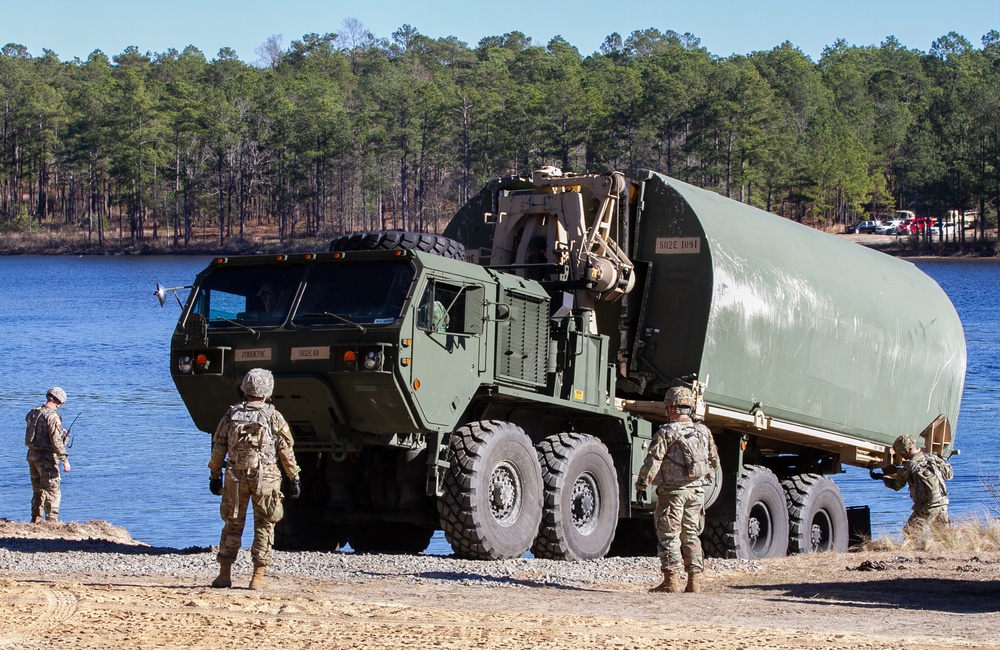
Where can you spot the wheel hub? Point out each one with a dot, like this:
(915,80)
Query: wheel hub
(753,528)
(505,494)
(585,503)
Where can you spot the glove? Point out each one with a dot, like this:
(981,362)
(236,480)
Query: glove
(215,486)
(640,492)
(296,489)
(878,476)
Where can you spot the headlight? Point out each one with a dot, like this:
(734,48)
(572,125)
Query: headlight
(184,364)
(373,359)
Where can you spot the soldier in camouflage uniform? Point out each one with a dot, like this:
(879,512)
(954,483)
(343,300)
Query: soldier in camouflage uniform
(681,461)
(925,474)
(251,440)
(45,439)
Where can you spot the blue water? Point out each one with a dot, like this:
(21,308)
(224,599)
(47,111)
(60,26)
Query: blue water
(92,326)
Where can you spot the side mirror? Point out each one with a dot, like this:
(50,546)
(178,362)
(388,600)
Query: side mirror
(161,294)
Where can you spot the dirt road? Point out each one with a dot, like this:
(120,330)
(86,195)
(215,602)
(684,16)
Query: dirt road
(943,600)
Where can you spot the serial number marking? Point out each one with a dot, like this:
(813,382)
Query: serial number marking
(678,245)
(320,352)
(253,354)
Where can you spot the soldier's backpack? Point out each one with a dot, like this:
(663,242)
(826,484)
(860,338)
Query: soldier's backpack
(693,446)
(32,418)
(252,443)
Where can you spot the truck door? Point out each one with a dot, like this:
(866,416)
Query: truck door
(446,356)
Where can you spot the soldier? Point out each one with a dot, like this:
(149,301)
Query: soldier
(45,439)
(925,474)
(681,461)
(250,441)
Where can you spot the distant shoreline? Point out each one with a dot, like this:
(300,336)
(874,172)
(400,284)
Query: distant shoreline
(53,244)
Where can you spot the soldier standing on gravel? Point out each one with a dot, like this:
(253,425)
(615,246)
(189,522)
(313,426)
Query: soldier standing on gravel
(925,474)
(681,461)
(45,439)
(250,441)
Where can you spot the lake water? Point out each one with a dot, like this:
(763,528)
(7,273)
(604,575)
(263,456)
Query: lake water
(92,326)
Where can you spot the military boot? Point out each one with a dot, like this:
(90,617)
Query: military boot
(257,581)
(225,578)
(36,519)
(669,583)
(694,583)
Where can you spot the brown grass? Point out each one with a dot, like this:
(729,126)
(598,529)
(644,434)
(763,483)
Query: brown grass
(970,534)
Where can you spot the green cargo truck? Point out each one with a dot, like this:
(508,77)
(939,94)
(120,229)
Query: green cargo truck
(501,382)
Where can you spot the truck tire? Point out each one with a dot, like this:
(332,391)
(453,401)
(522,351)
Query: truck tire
(492,503)
(759,526)
(581,498)
(393,538)
(817,518)
(392,240)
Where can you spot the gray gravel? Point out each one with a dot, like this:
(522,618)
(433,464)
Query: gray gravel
(99,558)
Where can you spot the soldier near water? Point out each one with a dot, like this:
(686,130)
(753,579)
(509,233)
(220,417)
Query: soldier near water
(252,439)
(681,461)
(45,439)
(926,475)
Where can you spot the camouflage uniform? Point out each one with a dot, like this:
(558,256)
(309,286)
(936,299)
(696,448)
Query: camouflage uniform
(252,476)
(925,474)
(46,442)
(680,499)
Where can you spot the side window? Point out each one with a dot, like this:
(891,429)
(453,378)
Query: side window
(433,314)
(450,308)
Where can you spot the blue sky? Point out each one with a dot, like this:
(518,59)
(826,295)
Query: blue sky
(78,27)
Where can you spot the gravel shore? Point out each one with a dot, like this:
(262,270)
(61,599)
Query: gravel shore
(96,548)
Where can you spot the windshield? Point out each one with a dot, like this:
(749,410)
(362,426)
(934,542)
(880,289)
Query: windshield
(231,296)
(345,294)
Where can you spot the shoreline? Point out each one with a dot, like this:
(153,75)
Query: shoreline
(89,586)
(891,245)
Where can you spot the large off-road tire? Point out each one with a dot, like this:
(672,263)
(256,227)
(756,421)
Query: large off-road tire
(492,502)
(392,240)
(581,498)
(759,526)
(390,538)
(817,518)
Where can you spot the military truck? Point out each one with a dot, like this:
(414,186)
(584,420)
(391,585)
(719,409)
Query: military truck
(502,381)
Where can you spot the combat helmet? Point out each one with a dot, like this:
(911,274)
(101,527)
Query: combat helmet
(56,394)
(258,383)
(680,397)
(904,442)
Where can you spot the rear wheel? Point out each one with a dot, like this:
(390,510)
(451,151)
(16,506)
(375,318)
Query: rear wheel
(581,498)
(758,527)
(816,513)
(391,240)
(492,502)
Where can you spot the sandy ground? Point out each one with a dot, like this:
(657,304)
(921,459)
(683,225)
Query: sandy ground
(946,600)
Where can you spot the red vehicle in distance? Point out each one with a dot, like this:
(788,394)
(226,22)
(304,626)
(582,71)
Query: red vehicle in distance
(921,224)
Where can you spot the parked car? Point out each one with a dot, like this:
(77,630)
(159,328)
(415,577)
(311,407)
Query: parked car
(868,226)
(922,223)
(850,228)
(888,228)
(908,227)
(939,228)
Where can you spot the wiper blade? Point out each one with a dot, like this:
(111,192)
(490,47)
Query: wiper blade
(337,316)
(255,333)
